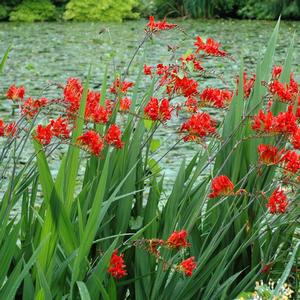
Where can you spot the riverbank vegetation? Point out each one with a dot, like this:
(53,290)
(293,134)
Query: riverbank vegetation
(103,225)
(109,10)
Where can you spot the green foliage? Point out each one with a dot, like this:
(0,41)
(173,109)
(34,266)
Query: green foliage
(104,10)
(3,12)
(31,11)
(251,9)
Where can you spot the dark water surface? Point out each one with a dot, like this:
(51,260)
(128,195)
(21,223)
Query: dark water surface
(44,53)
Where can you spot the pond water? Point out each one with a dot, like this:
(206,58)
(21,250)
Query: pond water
(44,53)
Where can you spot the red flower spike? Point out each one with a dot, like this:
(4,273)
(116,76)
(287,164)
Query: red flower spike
(59,128)
(187,266)
(72,94)
(286,122)
(248,84)
(147,70)
(263,122)
(10,129)
(159,25)
(43,134)
(269,155)
(191,58)
(277,203)
(177,240)
(277,70)
(296,139)
(91,141)
(116,265)
(291,162)
(2,128)
(31,107)
(191,104)
(125,104)
(120,87)
(221,186)
(197,127)
(15,93)
(113,136)
(158,111)
(216,97)
(185,86)
(211,47)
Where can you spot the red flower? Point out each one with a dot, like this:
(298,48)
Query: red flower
(191,104)
(43,134)
(161,69)
(178,239)
(147,70)
(296,139)
(263,122)
(291,161)
(158,111)
(31,107)
(125,104)
(72,93)
(298,109)
(211,47)
(191,59)
(198,126)
(216,97)
(160,25)
(91,141)
(120,87)
(277,70)
(113,136)
(248,84)
(185,86)
(15,93)
(11,129)
(221,186)
(277,202)
(59,128)
(269,155)
(286,93)
(2,128)
(187,266)
(285,122)
(117,266)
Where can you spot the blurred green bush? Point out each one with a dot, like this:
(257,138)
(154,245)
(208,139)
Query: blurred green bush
(3,12)
(31,11)
(105,10)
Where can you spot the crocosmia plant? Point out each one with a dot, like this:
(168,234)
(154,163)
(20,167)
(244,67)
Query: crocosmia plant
(87,213)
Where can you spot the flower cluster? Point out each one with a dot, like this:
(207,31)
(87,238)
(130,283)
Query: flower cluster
(159,25)
(216,97)
(247,84)
(15,93)
(197,127)
(58,128)
(221,186)
(210,47)
(176,241)
(277,203)
(158,111)
(8,129)
(116,265)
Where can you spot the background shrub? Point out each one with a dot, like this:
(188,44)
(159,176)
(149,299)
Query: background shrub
(106,10)
(3,12)
(30,11)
